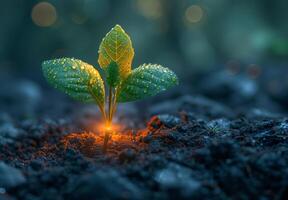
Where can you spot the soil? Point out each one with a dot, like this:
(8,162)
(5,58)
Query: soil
(224,138)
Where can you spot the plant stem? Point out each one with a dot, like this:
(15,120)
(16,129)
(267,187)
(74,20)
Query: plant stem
(109,120)
(101,107)
(106,139)
(103,112)
(110,104)
(114,102)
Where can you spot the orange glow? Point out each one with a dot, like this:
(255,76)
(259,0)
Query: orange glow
(105,127)
(108,128)
(90,144)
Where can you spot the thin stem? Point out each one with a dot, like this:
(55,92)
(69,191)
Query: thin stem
(103,112)
(114,102)
(110,103)
(109,120)
(101,107)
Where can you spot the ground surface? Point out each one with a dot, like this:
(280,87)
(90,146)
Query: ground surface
(225,139)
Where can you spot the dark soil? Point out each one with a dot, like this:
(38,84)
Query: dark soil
(225,139)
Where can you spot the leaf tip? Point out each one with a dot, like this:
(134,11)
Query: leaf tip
(117,26)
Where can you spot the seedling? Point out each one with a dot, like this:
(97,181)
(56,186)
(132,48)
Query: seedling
(83,82)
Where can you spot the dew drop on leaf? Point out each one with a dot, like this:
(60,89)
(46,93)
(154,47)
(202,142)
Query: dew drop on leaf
(62,74)
(146,80)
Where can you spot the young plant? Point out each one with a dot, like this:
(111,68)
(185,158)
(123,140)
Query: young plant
(83,82)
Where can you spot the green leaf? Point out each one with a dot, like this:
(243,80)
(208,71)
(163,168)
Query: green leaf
(76,78)
(116,46)
(145,81)
(112,74)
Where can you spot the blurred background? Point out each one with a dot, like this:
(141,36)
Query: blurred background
(188,36)
(192,37)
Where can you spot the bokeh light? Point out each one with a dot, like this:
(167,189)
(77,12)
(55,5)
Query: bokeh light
(194,14)
(192,36)
(150,8)
(44,14)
